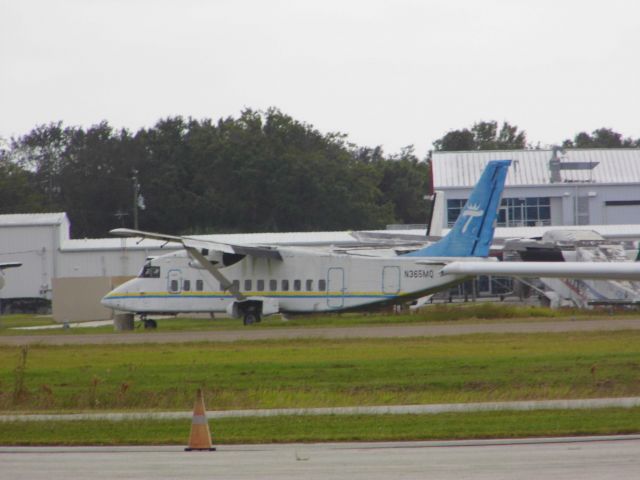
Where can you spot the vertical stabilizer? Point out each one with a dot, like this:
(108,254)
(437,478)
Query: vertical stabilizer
(472,234)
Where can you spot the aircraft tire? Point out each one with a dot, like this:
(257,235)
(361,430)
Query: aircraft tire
(150,323)
(250,318)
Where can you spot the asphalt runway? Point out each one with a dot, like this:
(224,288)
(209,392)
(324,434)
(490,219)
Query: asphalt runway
(584,458)
(365,331)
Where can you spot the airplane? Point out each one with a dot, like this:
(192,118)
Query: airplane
(4,266)
(253,281)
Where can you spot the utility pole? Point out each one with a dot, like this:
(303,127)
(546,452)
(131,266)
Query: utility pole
(136,195)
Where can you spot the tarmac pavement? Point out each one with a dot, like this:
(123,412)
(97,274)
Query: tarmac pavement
(584,458)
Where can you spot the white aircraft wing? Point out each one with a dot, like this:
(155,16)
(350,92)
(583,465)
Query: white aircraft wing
(594,270)
(256,251)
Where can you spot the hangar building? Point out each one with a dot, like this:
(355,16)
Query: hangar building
(548,187)
(51,260)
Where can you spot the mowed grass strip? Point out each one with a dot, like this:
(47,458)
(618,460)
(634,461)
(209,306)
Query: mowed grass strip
(330,428)
(438,313)
(321,373)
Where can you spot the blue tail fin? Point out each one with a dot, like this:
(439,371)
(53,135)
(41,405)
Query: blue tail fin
(472,234)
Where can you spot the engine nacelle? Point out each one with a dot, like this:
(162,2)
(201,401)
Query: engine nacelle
(218,259)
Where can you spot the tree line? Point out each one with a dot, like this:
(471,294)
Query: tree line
(260,171)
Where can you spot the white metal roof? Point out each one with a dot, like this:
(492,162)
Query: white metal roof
(33,219)
(531,167)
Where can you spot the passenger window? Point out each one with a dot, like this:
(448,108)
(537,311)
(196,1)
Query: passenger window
(309,285)
(199,285)
(186,285)
(297,285)
(236,284)
(273,285)
(285,285)
(247,285)
(260,286)
(322,285)
(174,286)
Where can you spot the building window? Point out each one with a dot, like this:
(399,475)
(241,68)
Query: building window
(524,212)
(309,285)
(273,285)
(199,285)
(260,285)
(513,212)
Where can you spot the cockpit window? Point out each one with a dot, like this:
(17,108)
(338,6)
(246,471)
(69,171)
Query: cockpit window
(150,271)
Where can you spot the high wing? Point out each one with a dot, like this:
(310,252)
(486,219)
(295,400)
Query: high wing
(10,265)
(593,270)
(255,251)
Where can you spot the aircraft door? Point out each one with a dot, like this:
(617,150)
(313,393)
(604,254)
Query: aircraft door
(391,280)
(174,281)
(335,287)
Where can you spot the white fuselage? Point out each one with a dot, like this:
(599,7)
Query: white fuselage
(304,281)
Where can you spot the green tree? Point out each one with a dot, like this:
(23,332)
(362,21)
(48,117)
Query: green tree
(260,171)
(404,184)
(16,192)
(95,179)
(42,151)
(601,138)
(483,136)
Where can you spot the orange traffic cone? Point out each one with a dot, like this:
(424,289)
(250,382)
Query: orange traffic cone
(200,437)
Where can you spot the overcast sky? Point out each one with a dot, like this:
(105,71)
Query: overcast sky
(388,73)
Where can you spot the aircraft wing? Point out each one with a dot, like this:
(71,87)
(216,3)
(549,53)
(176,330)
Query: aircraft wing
(9,265)
(593,270)
(187,242)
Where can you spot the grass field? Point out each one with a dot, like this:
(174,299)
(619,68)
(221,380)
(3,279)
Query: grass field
(318,373)
(329,428)
(470,312)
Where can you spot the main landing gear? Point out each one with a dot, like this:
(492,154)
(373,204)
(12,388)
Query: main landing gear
(148,323)
(251,314)
(251,318)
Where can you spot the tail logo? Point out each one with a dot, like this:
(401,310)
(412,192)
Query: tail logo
(471,212)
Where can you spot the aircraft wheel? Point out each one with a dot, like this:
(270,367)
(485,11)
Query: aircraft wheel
(250,318)
(150,323)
